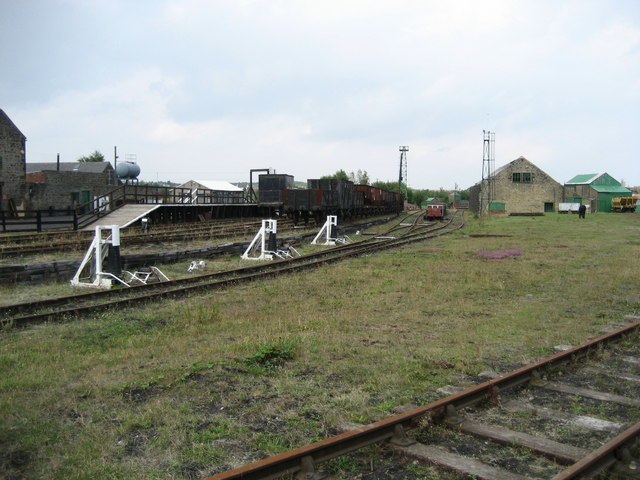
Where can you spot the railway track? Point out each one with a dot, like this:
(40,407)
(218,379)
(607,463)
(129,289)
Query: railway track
(572,415)
(53,309)
(22,238)
(56,242)
(47,242)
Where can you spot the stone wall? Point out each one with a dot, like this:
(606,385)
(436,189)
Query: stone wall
(53,189)
(474,198)
(526,197)
(585,192)
(12,164)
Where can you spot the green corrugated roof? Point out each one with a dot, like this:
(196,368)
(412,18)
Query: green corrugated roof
(611,189)
(585,178)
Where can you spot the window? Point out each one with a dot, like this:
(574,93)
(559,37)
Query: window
(521,177)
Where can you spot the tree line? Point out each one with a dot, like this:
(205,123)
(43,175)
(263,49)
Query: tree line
(415,196)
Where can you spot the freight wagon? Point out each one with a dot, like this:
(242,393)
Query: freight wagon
(324,197)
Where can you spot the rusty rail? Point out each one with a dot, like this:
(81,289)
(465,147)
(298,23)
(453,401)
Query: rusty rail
(604,457)
(304,458)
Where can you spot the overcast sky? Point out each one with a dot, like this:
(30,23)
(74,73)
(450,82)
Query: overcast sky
(206,89)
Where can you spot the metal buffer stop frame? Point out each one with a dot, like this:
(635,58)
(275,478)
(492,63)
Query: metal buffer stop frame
(264,245)
(330,232)
(108,248)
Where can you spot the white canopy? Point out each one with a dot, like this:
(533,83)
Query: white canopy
(219,185)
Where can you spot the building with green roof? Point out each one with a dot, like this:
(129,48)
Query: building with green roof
(596,190)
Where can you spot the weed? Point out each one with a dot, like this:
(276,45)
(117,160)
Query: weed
(524,414)
(423,472)
(359,419)
(577,407)
(270,443)
(196,368)
(221,428)
(345,466)
(273,354)
(386,406)
(201,455)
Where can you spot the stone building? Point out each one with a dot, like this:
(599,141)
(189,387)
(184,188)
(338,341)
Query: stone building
(595,190)
(12,164)
(61,185)
(519,187)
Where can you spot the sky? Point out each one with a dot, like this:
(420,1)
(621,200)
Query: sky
(209,89)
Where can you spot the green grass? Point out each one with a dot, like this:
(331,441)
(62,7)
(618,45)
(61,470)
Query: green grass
(193,386)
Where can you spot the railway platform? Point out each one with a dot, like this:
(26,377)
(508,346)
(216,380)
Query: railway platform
(124,216)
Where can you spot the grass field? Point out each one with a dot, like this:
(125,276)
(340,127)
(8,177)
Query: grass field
(188,388)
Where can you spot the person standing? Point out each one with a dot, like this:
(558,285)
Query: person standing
(582,210)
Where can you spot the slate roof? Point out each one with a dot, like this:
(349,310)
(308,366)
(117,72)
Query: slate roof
(6,121)
(84,167)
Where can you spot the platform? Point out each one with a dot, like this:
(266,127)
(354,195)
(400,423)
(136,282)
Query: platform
(125,215)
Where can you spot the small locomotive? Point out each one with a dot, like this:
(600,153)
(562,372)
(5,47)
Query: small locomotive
(437,211)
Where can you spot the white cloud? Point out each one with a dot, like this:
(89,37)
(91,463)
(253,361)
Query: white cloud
(616,45)
(211,89)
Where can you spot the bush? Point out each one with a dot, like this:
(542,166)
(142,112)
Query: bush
(275,354)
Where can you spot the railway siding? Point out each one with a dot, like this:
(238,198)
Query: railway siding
(63,270)
(95,301)
(473,434)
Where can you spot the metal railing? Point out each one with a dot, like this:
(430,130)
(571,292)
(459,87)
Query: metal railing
(39,220)
(83,215)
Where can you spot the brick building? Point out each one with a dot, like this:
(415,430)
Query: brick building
(517,187)
(60,185)
(12,164)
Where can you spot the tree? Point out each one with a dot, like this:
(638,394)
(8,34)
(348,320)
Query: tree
(362,177)
(391,186)
(410,194)
(419,196)
(339,175)
(96,156)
